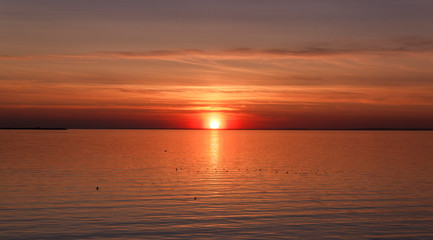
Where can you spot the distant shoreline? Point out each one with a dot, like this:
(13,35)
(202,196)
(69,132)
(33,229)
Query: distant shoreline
(35,128)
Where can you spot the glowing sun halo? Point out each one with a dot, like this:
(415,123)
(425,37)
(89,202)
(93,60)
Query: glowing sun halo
(214,124)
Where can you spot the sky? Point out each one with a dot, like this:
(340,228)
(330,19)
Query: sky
(250,64)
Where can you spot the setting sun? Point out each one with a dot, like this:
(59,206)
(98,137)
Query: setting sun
(214,124)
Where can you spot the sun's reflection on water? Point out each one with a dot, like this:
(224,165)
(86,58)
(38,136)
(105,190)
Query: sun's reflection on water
(214,147)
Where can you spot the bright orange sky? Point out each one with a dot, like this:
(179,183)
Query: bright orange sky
(250,64)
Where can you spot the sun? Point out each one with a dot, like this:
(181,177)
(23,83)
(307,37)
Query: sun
(214,124)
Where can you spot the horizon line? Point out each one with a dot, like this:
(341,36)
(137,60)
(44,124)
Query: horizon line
(264,129)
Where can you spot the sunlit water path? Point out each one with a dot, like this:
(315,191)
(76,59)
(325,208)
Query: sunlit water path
(215,184)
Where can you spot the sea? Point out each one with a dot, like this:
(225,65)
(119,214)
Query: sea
(216,184)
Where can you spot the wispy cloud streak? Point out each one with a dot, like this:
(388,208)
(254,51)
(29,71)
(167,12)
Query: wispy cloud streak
(409,45)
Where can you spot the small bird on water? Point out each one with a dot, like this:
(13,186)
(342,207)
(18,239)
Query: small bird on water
(97,188)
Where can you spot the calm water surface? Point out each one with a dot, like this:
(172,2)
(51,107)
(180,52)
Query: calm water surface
(215,184)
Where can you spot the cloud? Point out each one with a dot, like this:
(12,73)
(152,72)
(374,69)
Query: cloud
(410,44)
(414,43)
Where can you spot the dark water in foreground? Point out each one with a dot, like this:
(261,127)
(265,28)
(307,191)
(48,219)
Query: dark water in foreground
(243,184)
